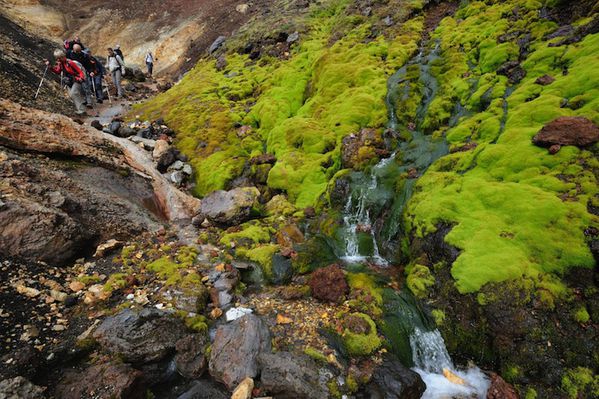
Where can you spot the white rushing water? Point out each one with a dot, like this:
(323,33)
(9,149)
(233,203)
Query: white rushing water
(431,359)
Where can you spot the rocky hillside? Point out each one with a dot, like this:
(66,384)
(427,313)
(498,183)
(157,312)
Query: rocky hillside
(177,32)
(393,198)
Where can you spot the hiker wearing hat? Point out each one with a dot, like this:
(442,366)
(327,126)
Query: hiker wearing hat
(78,55)
(74,74)
(117,51)
(116,67)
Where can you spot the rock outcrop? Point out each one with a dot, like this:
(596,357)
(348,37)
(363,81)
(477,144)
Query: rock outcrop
(567,130)
(235,350)
(143,337)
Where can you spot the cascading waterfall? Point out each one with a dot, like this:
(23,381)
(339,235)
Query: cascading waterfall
(442,379)
(377,193)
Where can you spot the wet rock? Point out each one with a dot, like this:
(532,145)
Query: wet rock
(19,388)
(166,159)
(190,360)
(229,207)
(160,148)
(204,389)
(107,380)
(286,375)
(114,127)
(357,150)
(282,270)
(512,69)
(391,380)
(500,389)
(147,144)
(126,131)
(294,37)
(235,350)
(96,125)
(328,284)
(147,132)
(545,80)
(216,44)
(177,177)
(567,130)
(143,337)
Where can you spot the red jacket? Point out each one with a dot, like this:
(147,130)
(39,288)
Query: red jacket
(70,68)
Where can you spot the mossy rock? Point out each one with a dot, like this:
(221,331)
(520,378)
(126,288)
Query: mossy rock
(359,334)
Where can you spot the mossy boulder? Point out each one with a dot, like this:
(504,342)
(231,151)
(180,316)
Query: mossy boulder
(359,334)
(229,207)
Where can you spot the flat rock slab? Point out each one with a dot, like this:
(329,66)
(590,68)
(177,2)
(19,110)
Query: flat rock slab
(143,337)
(567,130)
(287,375)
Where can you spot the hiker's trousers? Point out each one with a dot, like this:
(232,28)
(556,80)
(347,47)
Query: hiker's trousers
(116,79)
(76,94)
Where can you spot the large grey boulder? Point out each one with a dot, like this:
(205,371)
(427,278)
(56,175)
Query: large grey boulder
(235,350)
(143,337)
(287,376)
(229,207)
(392,380)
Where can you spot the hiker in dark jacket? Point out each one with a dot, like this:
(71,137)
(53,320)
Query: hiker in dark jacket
(97,74)
(74,74)
(68,45)
(78,55)
(150,62)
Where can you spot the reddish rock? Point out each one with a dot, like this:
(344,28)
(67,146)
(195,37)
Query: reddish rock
(500,389)
(108,380)
(358,149)
(328,284)
(545,80)
(263,159)
(567,130)
(554,149)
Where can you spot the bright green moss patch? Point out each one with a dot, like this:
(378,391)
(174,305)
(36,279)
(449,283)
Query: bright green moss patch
(316,355)
(580,383)
(177,271)
(582,315)
(419,280)
(506,197)
(359,335)
(251,233)
(262,255)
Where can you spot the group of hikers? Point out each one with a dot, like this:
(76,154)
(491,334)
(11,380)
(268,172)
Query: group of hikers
(83,73)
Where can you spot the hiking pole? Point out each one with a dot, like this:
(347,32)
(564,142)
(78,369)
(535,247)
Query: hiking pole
(42,81)
(108,91)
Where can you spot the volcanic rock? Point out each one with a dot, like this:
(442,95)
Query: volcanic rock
(190,359)
(19,388)
(235,350)
(286,375)
(392,380)
(567,130)
(229,207)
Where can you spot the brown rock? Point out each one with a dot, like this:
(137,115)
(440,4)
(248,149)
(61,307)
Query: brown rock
(328,284)
(567,130)
(108,380)
(545,80)
(359,149)
(500,389)
(289,235)
(554,149)
(190,359)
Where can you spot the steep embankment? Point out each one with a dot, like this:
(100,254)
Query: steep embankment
(177,32)
(512,283)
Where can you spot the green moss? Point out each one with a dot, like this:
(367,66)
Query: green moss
(262,255)
(251,233)
(438,316)
(361,344)
(334,390)
(580,382)
(511,373)
(115,281)
(197,323)
(530,394)
(366,294)
(89,280)
(419,280)
(582,315)
(178,271)
(316,355)
(352,384)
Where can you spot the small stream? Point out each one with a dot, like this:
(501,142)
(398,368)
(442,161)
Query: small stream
(372,225)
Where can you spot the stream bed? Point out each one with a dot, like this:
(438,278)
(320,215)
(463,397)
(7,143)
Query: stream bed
(372,228)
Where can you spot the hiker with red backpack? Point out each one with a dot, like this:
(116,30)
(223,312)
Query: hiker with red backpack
(74,73)
(78,55)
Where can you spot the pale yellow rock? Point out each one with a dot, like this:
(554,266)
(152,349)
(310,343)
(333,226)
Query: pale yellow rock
(453,378)
(160,148)
(27,291)
(58,295)
(107,247)
(76,286)
(244,389)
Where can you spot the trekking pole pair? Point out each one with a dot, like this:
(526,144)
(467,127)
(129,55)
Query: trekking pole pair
(107,91)
(42,81)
